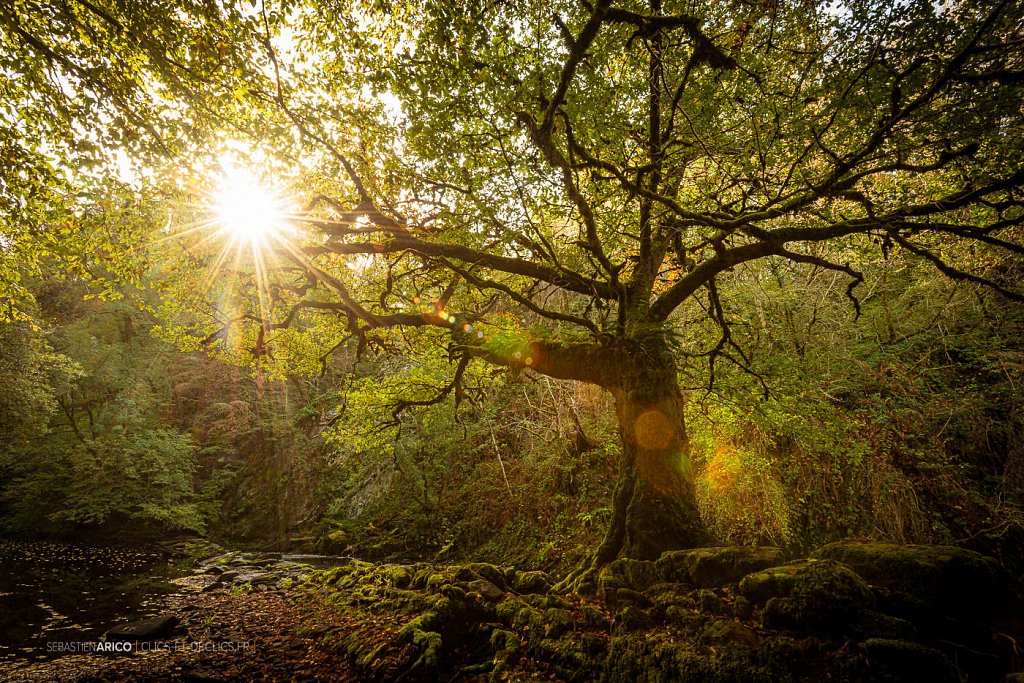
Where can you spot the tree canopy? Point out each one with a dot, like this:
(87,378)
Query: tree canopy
(540,185)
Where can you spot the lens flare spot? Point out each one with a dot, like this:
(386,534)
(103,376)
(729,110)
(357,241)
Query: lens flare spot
(722,470)
(653,430)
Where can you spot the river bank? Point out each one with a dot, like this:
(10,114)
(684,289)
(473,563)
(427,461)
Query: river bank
(238,618)
(240,636)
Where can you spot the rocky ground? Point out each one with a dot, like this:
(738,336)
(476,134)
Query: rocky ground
(850,612)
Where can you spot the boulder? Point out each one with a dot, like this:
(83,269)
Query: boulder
(822,579)
(486,590)
(715,567)
(948,579)
(531,582)
(810,594)
(910,661)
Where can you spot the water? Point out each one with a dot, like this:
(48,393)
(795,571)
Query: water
(317,561)
(61,592)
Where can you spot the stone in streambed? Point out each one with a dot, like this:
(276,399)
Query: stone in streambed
(146,629)
(227,577)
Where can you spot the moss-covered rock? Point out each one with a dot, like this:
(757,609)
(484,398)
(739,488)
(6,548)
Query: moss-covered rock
(812,613)
(435,581)
(507,650)
(529,620)
(683,618)
(637,657)
(429,644)
(742,607)
(621,597)
(490,572)
(546,601)
(558,622)
(507,609)
(715,567)
(728,631)
(822,579)
(399,576)
(666,594)
(631,618)
(873,624)
(908,661)
(595,618)
(709,603)
(950,580)
(531,582)
(808,595)
(485,589)
(453,592)
(420,577)
(569,658)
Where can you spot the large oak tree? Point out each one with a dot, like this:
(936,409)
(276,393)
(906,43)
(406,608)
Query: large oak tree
(591,167)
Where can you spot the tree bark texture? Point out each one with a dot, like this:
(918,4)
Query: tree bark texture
(654,506)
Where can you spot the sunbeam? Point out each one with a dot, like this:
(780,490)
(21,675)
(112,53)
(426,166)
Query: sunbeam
(244,208)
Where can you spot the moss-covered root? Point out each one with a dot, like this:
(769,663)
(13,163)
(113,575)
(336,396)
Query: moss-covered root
(507,651)
(420,634)
(582,581)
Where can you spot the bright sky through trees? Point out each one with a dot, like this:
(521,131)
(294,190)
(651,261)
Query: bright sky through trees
(244,207)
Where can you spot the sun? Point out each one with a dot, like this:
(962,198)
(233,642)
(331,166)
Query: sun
(246,209)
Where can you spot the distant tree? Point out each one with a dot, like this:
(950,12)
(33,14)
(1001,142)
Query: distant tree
(545,183)
(99,451)
(32,377)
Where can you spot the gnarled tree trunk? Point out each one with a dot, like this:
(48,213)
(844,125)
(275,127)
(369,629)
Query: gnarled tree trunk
(654,507)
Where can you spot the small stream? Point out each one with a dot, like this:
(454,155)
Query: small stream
(52,592)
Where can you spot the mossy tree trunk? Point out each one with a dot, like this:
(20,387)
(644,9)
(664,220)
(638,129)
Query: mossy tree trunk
(654,505)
